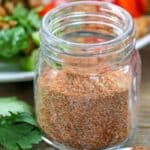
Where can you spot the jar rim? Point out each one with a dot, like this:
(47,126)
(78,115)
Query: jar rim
(128,29)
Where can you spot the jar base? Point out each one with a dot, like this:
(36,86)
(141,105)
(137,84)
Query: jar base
(62,147)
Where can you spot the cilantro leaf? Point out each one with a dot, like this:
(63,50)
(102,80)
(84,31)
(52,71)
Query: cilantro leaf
(34,20)
(12,41)
(18,128)
(17,13)
(9,105)
(16,136)
(18,118)
(29,20)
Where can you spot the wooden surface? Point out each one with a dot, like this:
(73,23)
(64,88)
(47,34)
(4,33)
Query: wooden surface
(25,92)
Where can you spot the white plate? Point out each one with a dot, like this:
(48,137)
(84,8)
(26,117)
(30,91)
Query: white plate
(9,72)
(18,76)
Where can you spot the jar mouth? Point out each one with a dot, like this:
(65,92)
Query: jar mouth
(126,32)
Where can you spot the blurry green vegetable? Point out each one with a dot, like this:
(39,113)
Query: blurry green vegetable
(29,20)
(36,38)
(18,136)
(18,128)
(28,62)
(16,39)
(12,104)
(12,41)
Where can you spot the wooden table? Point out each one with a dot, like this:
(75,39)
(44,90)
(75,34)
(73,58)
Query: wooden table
(25,92)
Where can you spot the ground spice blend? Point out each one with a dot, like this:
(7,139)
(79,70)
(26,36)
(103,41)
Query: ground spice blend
(140,148)
(84,111)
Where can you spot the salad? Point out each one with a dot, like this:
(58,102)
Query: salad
(19,25)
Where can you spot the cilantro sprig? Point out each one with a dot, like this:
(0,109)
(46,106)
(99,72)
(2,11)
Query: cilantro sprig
(18,128)
(27,19)
(12,41)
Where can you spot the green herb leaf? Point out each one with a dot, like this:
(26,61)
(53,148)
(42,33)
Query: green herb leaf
(34,20)
(16,136)
(27,19)
(12,104)
(12,41)
(20,14)
(22,117)
(6,18)
(18,128)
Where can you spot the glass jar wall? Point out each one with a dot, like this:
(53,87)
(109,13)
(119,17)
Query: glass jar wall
(87,78)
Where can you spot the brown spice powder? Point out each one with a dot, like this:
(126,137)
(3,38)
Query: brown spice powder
(139,148)
(84,111)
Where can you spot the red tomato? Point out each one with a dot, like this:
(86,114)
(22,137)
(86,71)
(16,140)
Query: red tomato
(131,6)
(135,7)
(50,6)
(143,4)
(46,8)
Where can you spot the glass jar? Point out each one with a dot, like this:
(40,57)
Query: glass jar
(87,77)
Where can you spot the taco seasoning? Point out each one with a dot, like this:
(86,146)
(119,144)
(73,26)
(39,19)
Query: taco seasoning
(139,148)
(87,78)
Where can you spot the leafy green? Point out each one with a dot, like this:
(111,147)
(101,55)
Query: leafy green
(27,19)
(12,104)
(15,136)
(18,117)
(34,20)
(6,18)
(16,39)
(18,128)
(12,41)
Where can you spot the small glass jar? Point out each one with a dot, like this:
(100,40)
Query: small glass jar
(87,78)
